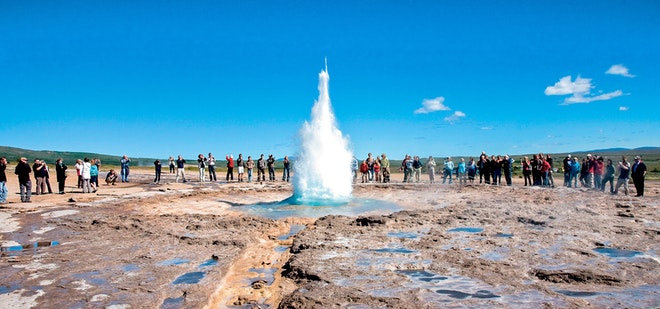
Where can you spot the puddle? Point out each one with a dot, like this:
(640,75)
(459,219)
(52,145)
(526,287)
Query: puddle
(422,275)
(266,274)
(406,235)
(130,267)
(172,303)
(617,253)
(395,250)
(295,229)
(193,277)
(284,209)
(281,249)
(462,295)
(34,245)
(504,235)
(466,230)
(577,293)
(190,278)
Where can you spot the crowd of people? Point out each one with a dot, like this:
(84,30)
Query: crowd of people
(539,171)
(593,172)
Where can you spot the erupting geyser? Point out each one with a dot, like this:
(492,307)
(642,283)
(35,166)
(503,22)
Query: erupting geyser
(322,169)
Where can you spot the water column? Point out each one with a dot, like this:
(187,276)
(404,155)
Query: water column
(322,169)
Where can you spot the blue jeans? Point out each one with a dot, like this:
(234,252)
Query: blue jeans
(26,191)
(249,175)
(124,174)
(285,174)
(447,173)
(573,179)
(3,191)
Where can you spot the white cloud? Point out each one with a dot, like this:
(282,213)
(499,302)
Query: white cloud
(623,108)
(580,89)
(486,128)
(566,86)
(619,69)
(432,105)
(580,98)
(455,116)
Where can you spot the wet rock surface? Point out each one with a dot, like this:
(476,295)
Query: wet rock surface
(192,246)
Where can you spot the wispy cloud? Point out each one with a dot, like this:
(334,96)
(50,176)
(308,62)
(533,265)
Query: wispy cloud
(455,116)
(619,69)
(579,89)
(486,128)
(432,105)
(580,98)
(623,108)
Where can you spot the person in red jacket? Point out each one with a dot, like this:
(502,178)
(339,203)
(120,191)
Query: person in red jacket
(599,167)
(364,169)
(545,171)
(230,167)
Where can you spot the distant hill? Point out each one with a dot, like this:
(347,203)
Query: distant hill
(13,154)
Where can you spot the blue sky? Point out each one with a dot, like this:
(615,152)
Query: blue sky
(161,78)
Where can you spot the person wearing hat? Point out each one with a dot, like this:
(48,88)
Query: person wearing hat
(638,174)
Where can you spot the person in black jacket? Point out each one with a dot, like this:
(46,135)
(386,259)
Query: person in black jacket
(638,174)
(23,171)
(60,170)
(3,180)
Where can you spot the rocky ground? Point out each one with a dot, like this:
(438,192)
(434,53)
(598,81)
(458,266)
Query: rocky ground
(202,245)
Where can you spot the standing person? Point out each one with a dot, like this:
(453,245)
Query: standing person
(377,171)
(364,170)
(448,170)
(157,168)
(86,176)
(407,165)
(576,171)
(496,168)
(180,168)
(261,168)
(551,178)
(287,166)
(3,180)
(39,176)
(624,175)
(94,176)
(598,173)
(430,169)
(354,168)
(250,166)
(370,164)
(97,162)
(241,167)
(472,170)
(47,177)
(171,164)
(484,169)
(125,170)
(638,174)
(79,166)
(60,171)
(527,171)
(536,170)
(211,164)
(567,170)
(609,176)
(230,167)
(545,171)
(201,164)
(462,171)
(271,167)
(417,168)
(591,162)
(385,167)
(507,166)
(23,171)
